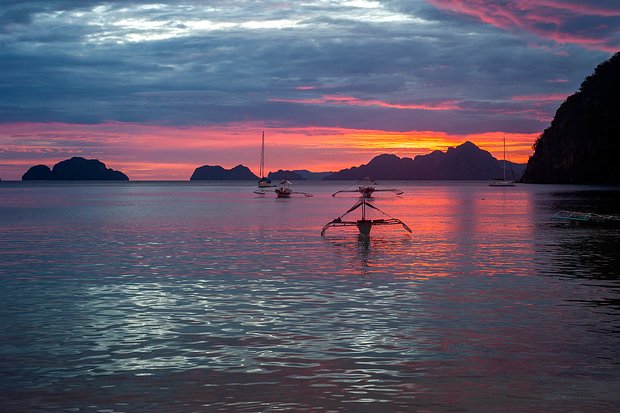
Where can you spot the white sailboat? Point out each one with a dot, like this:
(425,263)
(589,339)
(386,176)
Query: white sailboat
(283,190)
(503,181)
(263,182)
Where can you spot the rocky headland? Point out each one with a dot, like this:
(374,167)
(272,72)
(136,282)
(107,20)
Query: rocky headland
(582,145)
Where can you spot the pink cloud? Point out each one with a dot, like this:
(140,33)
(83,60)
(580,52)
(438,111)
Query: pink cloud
(551,97)
(543,18)
(353,101)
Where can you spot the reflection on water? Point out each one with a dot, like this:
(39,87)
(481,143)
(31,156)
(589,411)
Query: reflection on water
(182,297)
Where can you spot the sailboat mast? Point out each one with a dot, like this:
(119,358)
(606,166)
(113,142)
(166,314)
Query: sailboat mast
(262,156)
(504,158)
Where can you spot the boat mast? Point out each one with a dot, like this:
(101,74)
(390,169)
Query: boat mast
(504,157)
(262,157)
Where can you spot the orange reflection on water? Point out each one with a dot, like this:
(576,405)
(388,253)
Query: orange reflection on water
(458,229)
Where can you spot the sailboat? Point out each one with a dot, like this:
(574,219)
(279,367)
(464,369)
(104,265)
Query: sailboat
(283,190)
(503,181)
(364,225)
(263,182)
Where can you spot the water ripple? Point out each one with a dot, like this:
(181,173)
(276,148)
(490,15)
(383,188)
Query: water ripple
(114,302)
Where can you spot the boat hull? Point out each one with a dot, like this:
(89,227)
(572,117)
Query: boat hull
(364,226)
(265,183)
(502,183)
(283,193)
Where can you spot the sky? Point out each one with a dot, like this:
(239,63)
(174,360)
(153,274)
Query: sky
(156,89)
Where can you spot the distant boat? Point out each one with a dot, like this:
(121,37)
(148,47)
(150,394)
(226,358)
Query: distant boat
(587,217)
(283,190)
(503,181)
(263,182)
(367,187)
(363,224)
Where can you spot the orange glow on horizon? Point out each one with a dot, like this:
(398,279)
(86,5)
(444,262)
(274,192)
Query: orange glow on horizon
(149,152)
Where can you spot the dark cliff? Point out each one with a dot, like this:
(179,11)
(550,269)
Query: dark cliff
(216,172)
(582,145)
(74,169)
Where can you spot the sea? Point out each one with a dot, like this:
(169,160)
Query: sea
(206,297)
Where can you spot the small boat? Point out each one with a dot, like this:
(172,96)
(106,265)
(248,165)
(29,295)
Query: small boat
(503,181)
(367,187)
(587,218)
(364,225)
(283,190)
(263,182)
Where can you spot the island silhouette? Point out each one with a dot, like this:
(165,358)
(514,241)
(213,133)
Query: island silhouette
(216,172)
(74,169)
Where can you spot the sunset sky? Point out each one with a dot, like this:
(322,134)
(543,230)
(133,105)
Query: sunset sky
(156,89)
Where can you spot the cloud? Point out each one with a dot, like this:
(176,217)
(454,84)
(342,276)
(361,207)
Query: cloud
(353,101)
(392,66)
(583,23)
(553,97)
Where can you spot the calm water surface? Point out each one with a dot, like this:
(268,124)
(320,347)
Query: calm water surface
(195,297)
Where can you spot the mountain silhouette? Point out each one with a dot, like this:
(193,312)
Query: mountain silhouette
(464,162)
(287,175)
(74,169)
(298,175)
(582,145)
(216,172)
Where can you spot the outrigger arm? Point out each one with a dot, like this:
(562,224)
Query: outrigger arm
(263,192)
(396,191)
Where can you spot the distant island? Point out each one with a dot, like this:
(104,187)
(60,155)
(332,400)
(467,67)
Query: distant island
(74,169)
(216,172)
(464,162)
(582,145)
(285,175)
(298,175)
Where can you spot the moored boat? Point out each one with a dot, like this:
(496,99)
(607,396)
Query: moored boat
(366,187)
(363,224)
(503,181)
(283,190)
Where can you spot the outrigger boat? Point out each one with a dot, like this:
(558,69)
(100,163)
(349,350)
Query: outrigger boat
(367,187)
(364,225)
(283,190)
